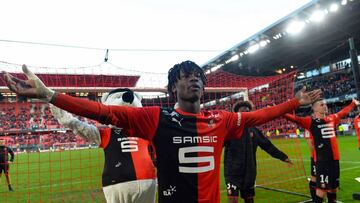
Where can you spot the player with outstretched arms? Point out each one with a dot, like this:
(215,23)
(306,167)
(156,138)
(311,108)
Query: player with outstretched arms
(188,141)
(323,130)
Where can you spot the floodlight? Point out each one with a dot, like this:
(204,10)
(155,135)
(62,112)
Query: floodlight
(318,16)
(334,7)
(263,43)
(234,58)
(295,27)
(343,2)
(253,48)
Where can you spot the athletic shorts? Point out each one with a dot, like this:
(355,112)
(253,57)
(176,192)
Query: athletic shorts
(327,174)
(5,168)
(313,167)
(233,191)
(142,191)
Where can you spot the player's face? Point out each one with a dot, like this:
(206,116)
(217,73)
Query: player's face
(244,109)
(320,107)
(2,142)
(189,86)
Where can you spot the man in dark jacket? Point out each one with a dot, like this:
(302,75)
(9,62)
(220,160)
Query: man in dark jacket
(240,159)
(4,161)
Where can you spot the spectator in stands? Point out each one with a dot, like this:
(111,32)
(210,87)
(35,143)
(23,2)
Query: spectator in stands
(240,159)
(4,162)
(188,142)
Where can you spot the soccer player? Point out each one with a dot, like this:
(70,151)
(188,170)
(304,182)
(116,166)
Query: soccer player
(357,128)
(323,131)
(4,162)
(240,159)
(129,173)
(188,141)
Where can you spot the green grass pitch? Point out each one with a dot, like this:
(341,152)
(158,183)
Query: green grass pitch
(75,176)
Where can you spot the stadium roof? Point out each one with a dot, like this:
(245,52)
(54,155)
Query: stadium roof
(302,40)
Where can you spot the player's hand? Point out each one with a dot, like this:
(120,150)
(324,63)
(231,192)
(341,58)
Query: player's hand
(289,162)
(356,102)
(33,87)
(306,98)
(63,117)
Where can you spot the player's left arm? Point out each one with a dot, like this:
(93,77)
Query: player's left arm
(265,144)
(12,155)
(345,111)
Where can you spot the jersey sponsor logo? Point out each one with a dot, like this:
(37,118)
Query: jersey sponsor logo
(195,139)
(184,159)
(129,144)
(327,130)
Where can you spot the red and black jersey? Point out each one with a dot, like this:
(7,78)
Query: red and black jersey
(126,158)
(357,128)
(4,155)
(188,146)
(323,133)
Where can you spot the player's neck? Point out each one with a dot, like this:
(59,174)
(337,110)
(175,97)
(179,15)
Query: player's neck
(189,107)
(319,115)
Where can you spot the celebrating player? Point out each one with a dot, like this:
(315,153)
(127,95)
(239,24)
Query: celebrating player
(323,130)
(188,142)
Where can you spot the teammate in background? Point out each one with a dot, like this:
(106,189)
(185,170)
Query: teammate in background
(323,131)
(129,173)
(357,128)
(4,162)
(188,141)
(240,159)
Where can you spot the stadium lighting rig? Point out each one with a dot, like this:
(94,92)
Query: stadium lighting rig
(294,27)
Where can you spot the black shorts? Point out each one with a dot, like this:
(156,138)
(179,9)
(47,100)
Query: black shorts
(313,167)
(5,168)
(327,174)
(233,191)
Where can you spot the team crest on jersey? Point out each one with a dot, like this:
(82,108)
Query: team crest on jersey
(118,130)
(170,191)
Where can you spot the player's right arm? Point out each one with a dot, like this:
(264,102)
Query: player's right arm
(140,122)
(87,131)
(304,122)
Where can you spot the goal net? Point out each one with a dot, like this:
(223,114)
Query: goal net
(64,174)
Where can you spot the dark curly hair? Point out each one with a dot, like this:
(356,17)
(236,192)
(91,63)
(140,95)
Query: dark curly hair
(188,67)
(240,104)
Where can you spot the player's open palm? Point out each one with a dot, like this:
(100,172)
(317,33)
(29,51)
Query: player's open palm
(33,87)
(306,98)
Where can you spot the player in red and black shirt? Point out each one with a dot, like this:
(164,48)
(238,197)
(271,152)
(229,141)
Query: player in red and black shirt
(4,162)
(188,141)
(323,131)
(357,128)
(240,159)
